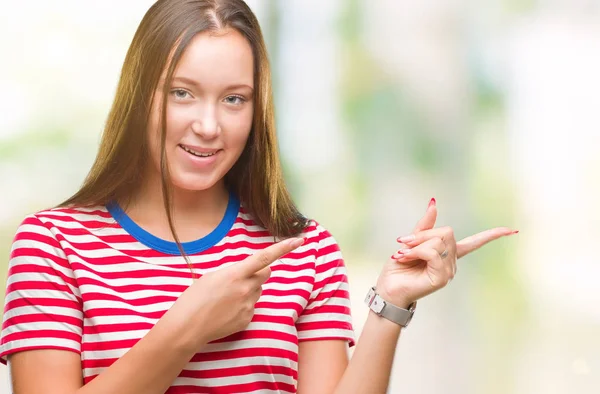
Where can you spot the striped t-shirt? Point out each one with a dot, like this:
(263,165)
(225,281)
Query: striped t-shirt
(91,281)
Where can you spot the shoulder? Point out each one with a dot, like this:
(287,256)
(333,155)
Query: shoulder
(317,233)
(317,237)
(53,220)
(38,245)
(72,213)
(323,243)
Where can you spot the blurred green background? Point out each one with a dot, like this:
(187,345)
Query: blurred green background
(491,107)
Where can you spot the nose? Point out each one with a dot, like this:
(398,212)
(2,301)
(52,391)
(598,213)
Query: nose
(206,123)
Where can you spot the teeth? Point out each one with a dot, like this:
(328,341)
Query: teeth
(197,153)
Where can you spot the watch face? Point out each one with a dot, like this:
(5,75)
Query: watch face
(377,305)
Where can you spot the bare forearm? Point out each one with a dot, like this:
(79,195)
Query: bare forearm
(369,369)
(150,366)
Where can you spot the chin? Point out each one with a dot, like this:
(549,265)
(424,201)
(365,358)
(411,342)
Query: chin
(191,183)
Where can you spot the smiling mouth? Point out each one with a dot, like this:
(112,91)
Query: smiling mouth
(198,154)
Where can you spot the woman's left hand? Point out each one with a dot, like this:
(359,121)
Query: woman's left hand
(427,260)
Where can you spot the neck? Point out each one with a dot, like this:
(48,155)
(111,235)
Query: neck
(194,213)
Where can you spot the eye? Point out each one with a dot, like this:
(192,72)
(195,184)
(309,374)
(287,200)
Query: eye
(234,100)
(180,94)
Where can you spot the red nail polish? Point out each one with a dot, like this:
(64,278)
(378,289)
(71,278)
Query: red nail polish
(516,232)
(432,202)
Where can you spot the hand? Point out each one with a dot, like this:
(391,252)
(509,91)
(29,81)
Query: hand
(427,259)
(222,302)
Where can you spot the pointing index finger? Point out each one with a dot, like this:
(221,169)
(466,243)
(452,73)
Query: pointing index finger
(476,241)
(267,256)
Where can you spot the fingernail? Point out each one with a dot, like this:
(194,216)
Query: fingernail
(407,238)
(295,242)
(402,252)
(397,256)
(515,232)
(431,202)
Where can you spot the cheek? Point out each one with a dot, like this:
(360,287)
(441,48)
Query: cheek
(238,129)
(178,119)
(175,124)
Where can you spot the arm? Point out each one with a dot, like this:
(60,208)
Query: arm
(426,263)
(323,366)
(146,368)
(371,364)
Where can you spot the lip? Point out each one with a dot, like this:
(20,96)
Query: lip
(200,149)
(200,163)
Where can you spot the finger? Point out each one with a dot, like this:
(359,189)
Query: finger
(443,266)
(438,270)
(428,220)
(474,242)
(255,296)
(262,275)
(267,256)
(445,233)
(406,255)
(401,247)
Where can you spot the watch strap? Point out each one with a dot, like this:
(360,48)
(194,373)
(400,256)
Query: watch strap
(389,311)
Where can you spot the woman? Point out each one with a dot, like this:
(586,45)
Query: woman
(182,264)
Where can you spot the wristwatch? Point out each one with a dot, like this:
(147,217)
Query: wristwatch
(391,312)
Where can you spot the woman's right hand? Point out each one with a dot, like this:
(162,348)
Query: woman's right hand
(222,302)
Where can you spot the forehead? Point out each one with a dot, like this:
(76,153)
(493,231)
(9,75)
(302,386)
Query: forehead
(217,59)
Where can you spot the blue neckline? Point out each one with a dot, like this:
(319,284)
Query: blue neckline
(169,247)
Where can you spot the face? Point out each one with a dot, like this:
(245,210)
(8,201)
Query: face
(209,111)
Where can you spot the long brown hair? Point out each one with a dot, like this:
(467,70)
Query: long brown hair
(161,38)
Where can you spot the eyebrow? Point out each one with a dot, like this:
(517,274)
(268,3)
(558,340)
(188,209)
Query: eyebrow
(194,83)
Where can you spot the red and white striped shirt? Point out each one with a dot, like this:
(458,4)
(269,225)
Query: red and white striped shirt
(93,282)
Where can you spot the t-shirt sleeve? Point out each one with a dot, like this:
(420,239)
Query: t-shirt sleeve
(42,308)
(327,314)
